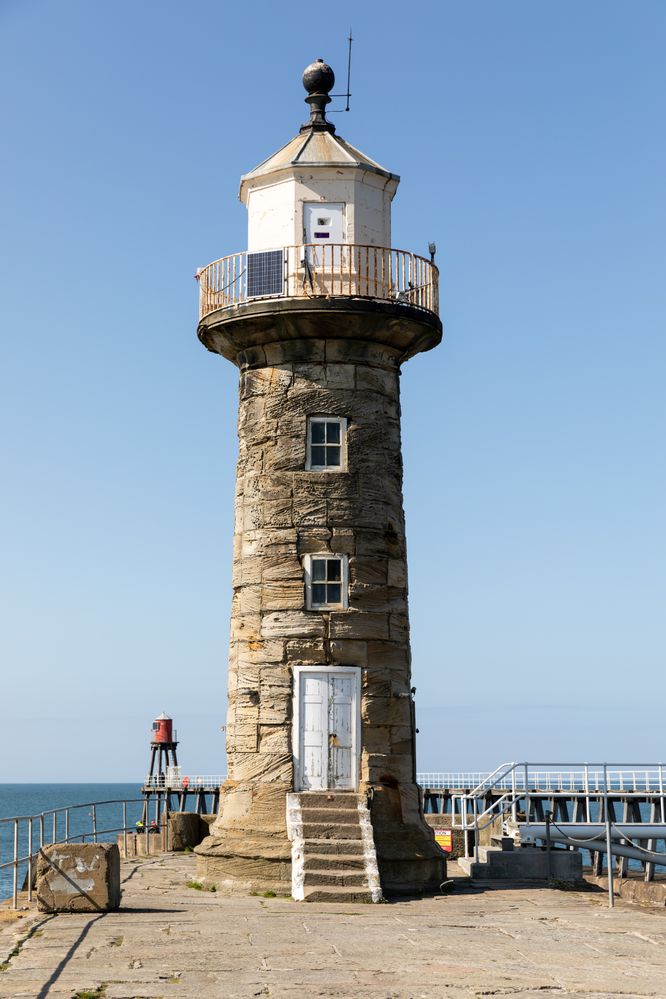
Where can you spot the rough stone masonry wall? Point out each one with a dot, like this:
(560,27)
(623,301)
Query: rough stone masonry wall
(284,512)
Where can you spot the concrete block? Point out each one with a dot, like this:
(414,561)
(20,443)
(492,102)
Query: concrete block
(186,829)
(79,877)
(527,865)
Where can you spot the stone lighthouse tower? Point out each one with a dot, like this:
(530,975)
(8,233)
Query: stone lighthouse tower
(318,315)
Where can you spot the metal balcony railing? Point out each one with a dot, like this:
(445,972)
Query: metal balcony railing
(329,270)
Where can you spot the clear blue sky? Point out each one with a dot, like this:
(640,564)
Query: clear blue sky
(530,142)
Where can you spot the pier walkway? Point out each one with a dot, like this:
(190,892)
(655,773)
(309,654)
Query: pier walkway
(169,939)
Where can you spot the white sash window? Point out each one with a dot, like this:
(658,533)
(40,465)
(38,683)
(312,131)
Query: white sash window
(326,582)
(327,444)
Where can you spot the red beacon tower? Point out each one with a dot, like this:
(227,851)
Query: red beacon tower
(163,758)
(164,780)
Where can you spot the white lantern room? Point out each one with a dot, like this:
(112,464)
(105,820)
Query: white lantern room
(318,188)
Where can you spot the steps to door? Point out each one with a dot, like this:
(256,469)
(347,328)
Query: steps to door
(333,855)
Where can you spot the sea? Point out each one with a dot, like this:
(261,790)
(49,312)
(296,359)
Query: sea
(37,799)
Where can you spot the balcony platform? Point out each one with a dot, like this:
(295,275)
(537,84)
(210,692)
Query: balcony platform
(321,300)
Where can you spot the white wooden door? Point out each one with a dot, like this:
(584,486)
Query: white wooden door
(323,223)
(327,721)
(314,731)
(324,256)
(340,731)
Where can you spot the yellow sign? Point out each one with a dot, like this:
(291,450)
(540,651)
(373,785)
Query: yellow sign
(443,839)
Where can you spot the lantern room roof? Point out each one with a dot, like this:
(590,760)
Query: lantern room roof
(314,149)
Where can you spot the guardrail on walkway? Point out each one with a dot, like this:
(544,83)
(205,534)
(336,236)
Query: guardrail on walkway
(559,777)
(520,790)
(68,824)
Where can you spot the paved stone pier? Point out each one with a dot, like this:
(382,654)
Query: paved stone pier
(171,940)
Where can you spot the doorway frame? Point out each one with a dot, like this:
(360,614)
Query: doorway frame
(355,673)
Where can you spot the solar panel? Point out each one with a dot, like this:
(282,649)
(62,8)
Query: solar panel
(265,273)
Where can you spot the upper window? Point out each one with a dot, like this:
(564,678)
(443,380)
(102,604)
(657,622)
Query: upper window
(327,450)
(325,582)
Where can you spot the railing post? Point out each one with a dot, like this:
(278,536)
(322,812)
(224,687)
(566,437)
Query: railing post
(67,825)
(609,858)
(514,804)
(125,829)
(16,846)
(94,823)
(30,859)
(586,785)
(41,831)
(609,846)
(475,808)
(661,792)
(54,835)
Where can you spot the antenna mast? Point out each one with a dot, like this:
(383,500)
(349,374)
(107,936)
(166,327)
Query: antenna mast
(348,94)
(349,69)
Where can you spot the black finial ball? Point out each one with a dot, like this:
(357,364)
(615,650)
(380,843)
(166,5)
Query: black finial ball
(318,78)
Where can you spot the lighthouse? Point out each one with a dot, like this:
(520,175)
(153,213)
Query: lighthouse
(318,314)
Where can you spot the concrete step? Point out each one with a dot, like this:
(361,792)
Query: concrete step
(333,862)
(328,799)
(332,847)
(342,879)
(523,865)
(328,893)
(343,816)
(528,864)
(484,852)
(324,830)
(472,869)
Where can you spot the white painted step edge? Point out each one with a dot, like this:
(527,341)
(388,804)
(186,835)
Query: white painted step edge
(369,852)
(295,833)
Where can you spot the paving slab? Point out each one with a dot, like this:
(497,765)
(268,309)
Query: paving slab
(169,939)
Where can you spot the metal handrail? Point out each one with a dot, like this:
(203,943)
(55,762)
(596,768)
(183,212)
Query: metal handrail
(330,270)
(48,838)
(508,801)
(625,780)
(591,779)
